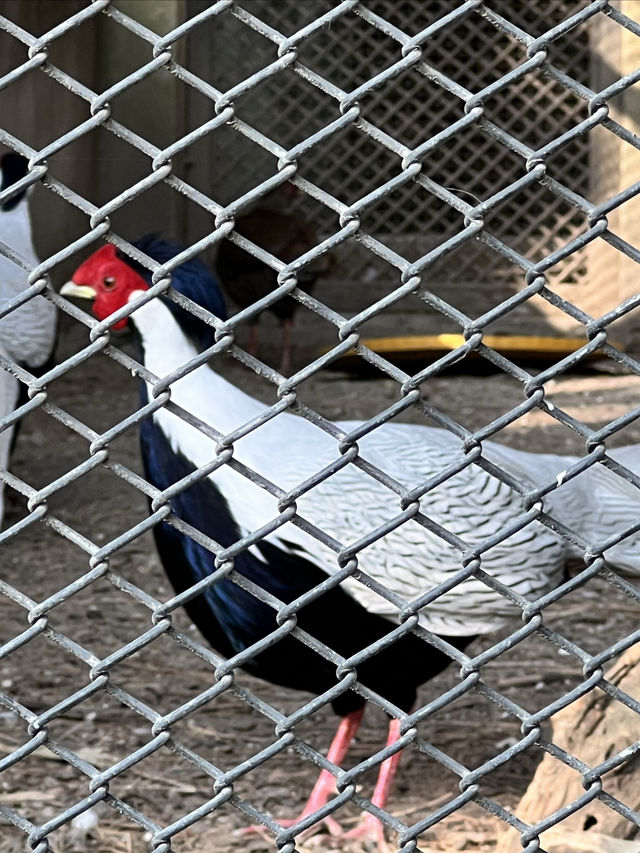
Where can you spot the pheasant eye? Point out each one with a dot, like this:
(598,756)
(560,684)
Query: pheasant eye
(109,282)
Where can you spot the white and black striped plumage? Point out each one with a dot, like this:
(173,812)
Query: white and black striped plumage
(473,505)
(27,334)
(287,450)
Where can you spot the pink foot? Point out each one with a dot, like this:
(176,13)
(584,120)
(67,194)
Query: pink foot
(369,829)
(325,786)
(332,826)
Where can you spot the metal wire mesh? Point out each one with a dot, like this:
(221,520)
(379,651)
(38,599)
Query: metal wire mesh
(402,104)
(338,112)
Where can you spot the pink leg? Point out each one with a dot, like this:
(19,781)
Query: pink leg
(325,784)
(285,364)
(370,827)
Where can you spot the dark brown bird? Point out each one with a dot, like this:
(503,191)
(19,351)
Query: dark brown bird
(246,279)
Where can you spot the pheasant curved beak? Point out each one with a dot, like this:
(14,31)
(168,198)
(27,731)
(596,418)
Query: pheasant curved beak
(80,291)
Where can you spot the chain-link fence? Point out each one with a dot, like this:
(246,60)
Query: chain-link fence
(459,167)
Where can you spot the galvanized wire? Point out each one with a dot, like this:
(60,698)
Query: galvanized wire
(403,504)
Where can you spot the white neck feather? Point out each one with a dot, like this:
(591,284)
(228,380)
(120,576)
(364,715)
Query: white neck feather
(202,391)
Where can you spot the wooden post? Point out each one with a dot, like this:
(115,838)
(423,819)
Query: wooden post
(591,729)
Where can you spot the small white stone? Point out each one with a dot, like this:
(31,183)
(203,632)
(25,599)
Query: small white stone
(85,822)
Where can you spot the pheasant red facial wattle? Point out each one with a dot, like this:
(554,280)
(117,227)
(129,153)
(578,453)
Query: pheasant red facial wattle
(111,279)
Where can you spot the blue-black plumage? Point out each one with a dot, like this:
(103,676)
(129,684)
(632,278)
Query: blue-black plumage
(232,619)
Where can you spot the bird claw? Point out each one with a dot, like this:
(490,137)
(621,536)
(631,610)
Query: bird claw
(368,835)
(370,832)
(332,826)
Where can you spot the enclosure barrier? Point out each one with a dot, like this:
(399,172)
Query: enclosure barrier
(43,508)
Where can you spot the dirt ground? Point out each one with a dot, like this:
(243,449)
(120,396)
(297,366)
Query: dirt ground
(164,675)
